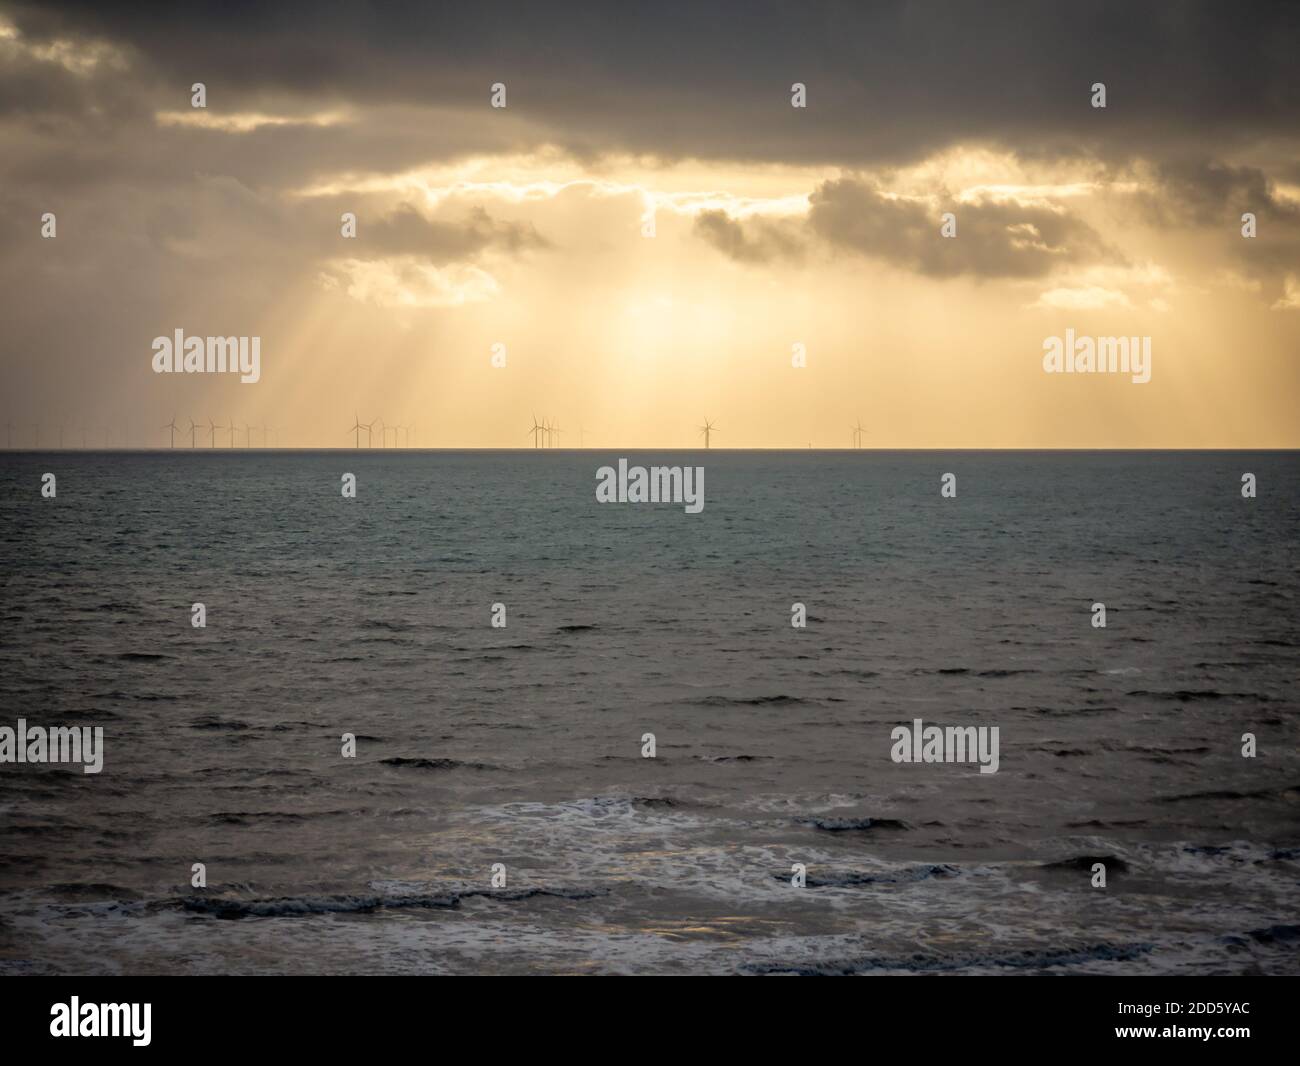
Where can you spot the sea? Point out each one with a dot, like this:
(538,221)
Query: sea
(500,814)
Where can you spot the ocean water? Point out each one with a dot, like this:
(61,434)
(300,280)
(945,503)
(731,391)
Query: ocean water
(522,745)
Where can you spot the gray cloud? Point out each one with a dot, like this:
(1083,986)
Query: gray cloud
(994,240)
(755,241)
(887,83)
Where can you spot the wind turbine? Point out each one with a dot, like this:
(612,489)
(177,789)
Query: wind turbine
(232,431)
(858,430)
(193,426)
(707,430)
(556,429)
(357,427)
(537,428)
(546,425)
(212,433)
(172,426)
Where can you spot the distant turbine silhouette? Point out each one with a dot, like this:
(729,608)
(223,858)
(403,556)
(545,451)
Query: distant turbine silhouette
(357,427)
(232,432)
(535,431)
(708,431)
(193,426)
(170,425)
(858,430)
(212,433)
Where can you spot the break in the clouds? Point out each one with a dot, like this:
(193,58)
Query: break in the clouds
(768,224)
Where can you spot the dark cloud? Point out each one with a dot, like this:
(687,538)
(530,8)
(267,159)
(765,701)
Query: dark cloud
(405,231)
(1207,192)
(756,241)
(1214,195)
(887,82)
(994,240)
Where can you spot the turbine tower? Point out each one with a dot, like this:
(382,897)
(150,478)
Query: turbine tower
(193,427)
(232,432)
(535,431)
(170,425)
(708,431)
(357,427)
(212,433)
(858,430)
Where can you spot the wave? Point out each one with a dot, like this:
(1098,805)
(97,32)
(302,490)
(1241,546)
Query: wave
(437,764)
(1113,863)
(734,758)
(369,903)
(1275,934)
(1027,959)
(861,825)
(1232,794)
(211,721)
(1188,695)
(857,878)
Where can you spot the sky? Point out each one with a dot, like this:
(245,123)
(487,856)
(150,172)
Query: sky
(648,231)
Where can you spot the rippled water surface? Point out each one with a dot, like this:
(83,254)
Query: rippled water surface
(522,746)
